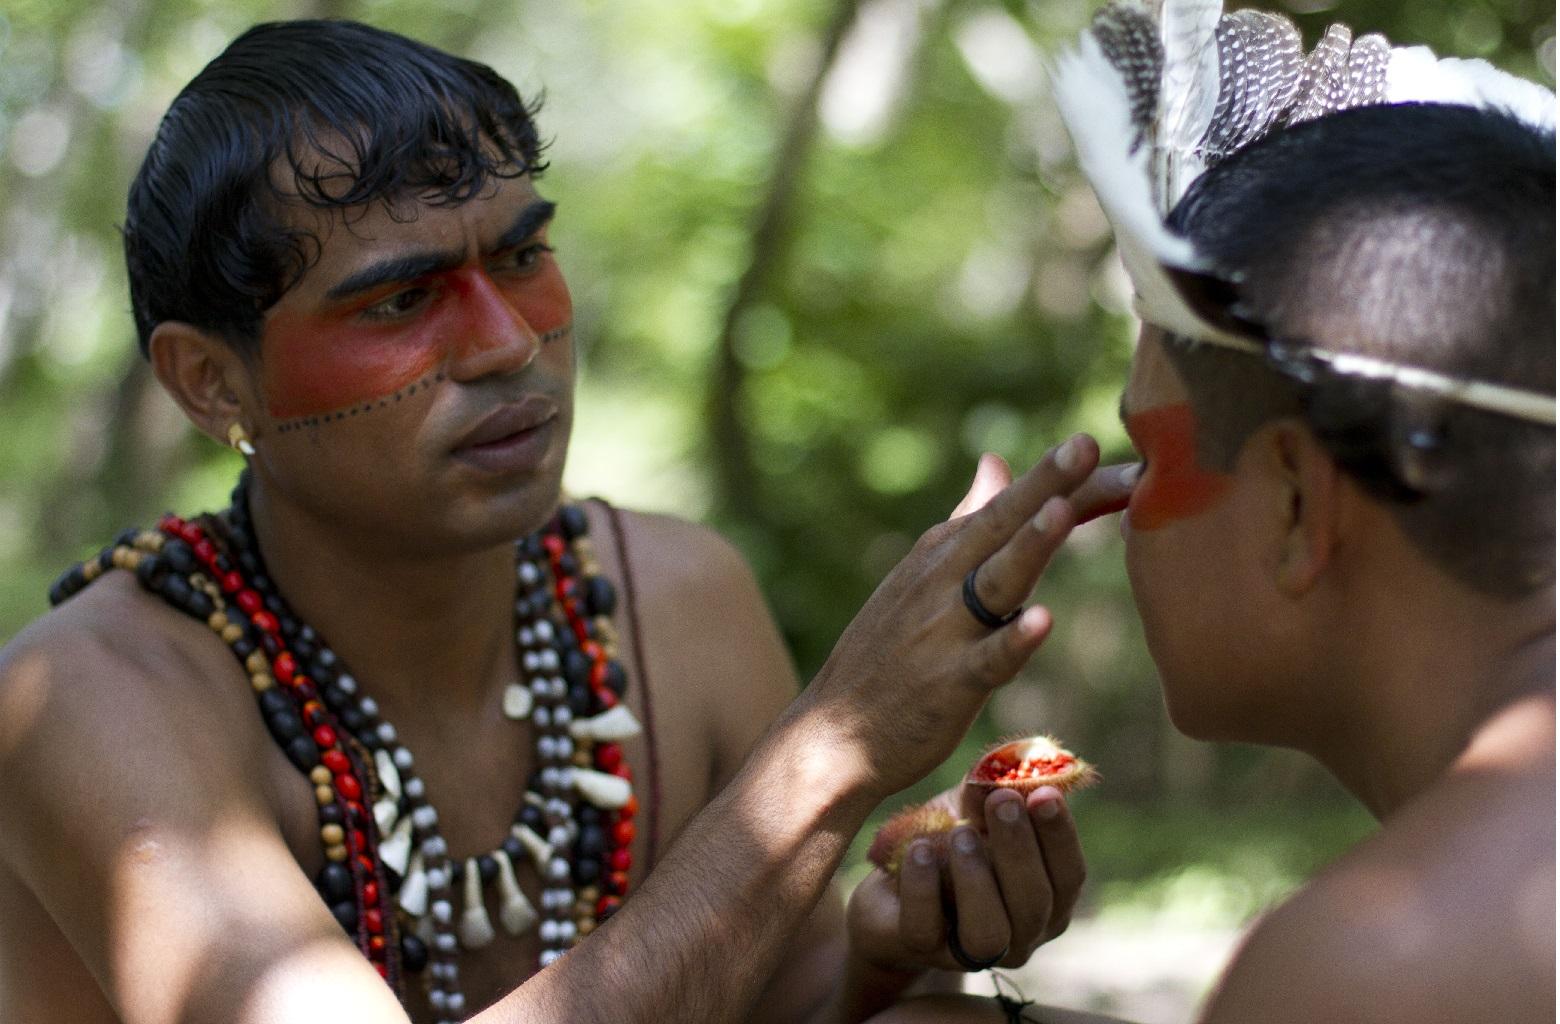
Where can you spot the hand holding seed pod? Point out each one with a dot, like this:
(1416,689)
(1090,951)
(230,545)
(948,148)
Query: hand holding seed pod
(1022,765)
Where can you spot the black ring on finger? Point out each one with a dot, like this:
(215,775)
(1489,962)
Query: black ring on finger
(963,959)
(985,616)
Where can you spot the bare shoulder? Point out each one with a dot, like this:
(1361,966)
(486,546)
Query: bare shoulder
(674,554)
(1447,915)
(123,683)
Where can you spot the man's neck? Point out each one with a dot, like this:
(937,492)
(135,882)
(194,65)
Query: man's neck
(422,632)
(1427,683)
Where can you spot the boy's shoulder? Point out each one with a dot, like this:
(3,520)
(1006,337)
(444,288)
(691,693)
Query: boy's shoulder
(1446,914)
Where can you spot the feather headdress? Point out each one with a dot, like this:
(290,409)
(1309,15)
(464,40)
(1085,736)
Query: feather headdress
(1160,90)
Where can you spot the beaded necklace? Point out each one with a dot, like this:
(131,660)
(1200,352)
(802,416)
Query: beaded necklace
(388,875)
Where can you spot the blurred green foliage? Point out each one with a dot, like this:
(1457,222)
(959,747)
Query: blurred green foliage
(823,253)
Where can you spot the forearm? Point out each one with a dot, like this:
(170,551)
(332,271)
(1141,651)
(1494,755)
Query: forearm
(702,937)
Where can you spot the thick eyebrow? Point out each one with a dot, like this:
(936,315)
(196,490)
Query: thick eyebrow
(411,266)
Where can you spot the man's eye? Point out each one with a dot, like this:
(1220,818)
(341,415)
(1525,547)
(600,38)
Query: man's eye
(399,304)
(530,257)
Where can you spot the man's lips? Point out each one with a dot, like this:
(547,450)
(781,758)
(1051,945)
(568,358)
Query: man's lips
(507,421)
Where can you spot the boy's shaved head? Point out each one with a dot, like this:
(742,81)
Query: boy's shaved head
(1420,234)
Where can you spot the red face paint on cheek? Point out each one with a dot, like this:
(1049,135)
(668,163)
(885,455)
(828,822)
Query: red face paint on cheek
(1173,486)
(338,361)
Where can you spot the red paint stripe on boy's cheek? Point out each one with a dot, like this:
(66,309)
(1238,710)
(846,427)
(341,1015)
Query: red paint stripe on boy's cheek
(318,364)
(1174,486)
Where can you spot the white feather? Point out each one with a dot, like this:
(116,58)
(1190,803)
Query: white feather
(1189,89)
(1414,75)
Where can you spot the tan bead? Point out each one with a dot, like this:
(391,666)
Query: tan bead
(232,633)
(606,634)
(91,570)
(325,795)
(118,557)
(584,911)
(218,621)
(319,775)
(336,853)
(150,540)
(589,895)
(333,834)
(583,927)
(581,759)
(261,682)
(132,560)
(256,662)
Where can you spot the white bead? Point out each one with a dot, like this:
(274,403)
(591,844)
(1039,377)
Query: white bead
(542,717)
(530,662)
(539,688)
(549,956)
(547,748)
(566,931)
(549,932)
(476,930)
(565,748)
(562,716)
(369,707)
(566,779)
(562,898)
(402,758)
(413,896)
(526,636)
(534,844)
(529,573)
(397,850)
(445,942)
(549,659)
(558,837)
(557,869)
(386,732)
(415,788)
(608,792)
(552,780)
(389,775)
(517,701)
(439,1000)
(516,914)
(438,878)
(544,631)
(617,724)
(442,911)
(560,689)
(425,817)
(457,1002)
(435,846)
(347,683)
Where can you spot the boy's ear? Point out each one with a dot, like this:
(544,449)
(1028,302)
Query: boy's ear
(1307,483)
(205,374)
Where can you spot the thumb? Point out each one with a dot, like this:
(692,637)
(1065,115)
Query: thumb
(992,476)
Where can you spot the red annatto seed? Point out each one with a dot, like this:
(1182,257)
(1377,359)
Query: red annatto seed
(370,894)
(248,601)
(348,787)
(376,944)
(325,736)
(592,650)
(617,883)
(285,667)
(631,808)
(357,841)
(365,865)
(608,699)
(623,771)
(555,546)
(609,756)
(232,583)
(606,907)
(266,621)
(384,972)
(598,674)
(169,523)
(314,713)
(357,814)
(580,626)
(620,859)
(336,761)
(374,921)
(205,550)
(623,833)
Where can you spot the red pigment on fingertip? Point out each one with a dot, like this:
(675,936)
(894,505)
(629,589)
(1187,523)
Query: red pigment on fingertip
(1173,486)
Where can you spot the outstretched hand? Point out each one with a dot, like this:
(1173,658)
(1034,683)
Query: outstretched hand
(912,670)
(1007,881)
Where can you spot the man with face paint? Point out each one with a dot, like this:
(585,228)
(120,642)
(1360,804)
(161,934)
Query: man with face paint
(339,264)
(1342,537)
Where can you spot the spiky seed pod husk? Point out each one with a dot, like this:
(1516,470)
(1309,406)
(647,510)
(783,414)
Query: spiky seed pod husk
(1025,765)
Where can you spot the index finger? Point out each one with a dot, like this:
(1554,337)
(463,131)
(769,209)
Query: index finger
(1062,470)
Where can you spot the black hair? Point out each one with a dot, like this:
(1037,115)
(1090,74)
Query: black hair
(330,114)
(1422,234)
